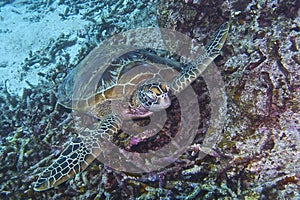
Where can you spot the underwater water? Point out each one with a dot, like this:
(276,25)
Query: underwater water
(253,86)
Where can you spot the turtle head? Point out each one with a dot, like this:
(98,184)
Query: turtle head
(154,96)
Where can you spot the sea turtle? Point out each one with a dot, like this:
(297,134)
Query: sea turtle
(114,98)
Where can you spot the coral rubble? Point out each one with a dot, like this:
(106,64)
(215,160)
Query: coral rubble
(258,156)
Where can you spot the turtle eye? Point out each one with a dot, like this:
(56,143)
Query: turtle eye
(154,96)
(151,96)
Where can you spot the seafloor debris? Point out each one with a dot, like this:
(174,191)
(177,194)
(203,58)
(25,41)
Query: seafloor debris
(258,157)
(262,82)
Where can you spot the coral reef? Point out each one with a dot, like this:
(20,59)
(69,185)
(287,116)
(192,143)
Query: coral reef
(261,69)
(258,156)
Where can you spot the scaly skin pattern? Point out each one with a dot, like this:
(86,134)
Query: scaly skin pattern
(88,146)
(195,69)
(78,154)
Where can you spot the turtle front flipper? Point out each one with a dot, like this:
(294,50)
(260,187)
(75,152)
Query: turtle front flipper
(194,69)
(78,155)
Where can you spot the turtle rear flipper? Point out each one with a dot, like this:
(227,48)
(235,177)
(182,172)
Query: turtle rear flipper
(78,155)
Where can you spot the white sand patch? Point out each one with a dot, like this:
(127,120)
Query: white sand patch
(22,31)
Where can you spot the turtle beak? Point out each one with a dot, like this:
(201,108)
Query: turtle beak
(163,102)
(166,101)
